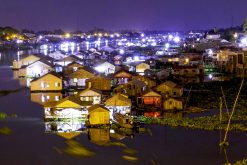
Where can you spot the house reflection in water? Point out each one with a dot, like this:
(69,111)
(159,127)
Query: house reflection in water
(99,136)
(15,74)
(42,98)
(25,82)
(66,129)
(175,115)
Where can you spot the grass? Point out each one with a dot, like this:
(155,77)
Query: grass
(3,115)
(240,162)
(210,123)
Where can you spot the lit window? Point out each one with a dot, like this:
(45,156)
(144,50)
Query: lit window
(43,98)
(75,69)
(57,98)
(75,80)
(47,97)
(42,85)
(57,84)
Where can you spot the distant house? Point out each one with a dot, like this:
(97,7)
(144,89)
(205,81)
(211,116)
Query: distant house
(119,103)
(149,82)
(69,107)
(25,61)
(105,67)
(132,88)
(122,77)
(150,98)
(170,88)
(172,104)
(99,83)
(36,69)
(150,73)
(79,77)
(140,68)
(57,55)
(188,74)
(213,36)
(72,67)
(91,95)
(163,74)
(48,82)
(44,97)
(98,115)
(67,60)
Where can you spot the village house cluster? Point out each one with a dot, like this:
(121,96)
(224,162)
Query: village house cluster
(95,83)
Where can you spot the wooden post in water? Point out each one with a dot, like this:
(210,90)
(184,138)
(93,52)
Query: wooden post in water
(223,95)
(225,143)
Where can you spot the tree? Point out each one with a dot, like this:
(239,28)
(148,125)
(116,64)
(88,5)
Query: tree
(245,26)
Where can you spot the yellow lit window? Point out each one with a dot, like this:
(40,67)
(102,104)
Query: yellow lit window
(57,84)
(75,80)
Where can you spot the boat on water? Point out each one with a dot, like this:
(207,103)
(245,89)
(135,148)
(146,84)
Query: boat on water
(123,120)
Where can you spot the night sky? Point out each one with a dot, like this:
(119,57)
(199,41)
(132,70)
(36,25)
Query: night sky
(71,15)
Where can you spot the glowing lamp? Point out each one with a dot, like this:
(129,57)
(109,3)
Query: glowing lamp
(176,39)
(100,68)
(67,35)
(170,37)
(136,58)
(121,51)
(210,76)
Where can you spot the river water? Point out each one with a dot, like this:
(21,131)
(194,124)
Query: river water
(32,143)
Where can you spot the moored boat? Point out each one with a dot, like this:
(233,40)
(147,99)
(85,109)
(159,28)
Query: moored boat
(123,120)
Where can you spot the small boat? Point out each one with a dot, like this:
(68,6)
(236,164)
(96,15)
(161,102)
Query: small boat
(123,120)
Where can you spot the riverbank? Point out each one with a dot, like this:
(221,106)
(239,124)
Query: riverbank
(209,123)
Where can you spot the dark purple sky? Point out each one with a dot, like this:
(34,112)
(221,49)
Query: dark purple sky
(73,15)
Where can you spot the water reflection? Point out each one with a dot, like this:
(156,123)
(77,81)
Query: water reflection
(25,82)
(42,98)
(99,136)
(66,129)
(75,148)
(15,74)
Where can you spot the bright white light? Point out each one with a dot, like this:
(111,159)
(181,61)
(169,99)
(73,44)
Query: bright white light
(87,45)
(45,47)
(176,39)
(136,58)
(167,45)
(106,42)
(210,52)
(170,37)
(121,51)
(19,41)
(142,35)
(100,69)
(111,35)
(210,76)
(244,40)
(64,45)
(153,44)
(40,37)
(143,40)
(119,43)
(129,44)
